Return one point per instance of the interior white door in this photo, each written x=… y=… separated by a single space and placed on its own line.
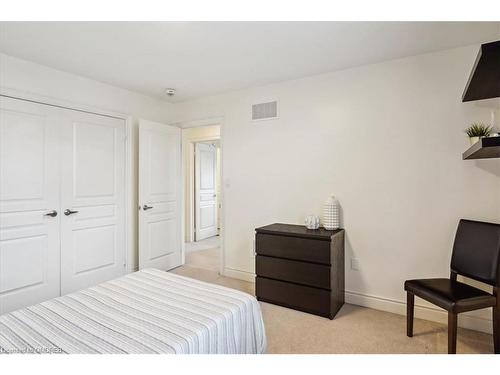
x=92 y=199
x=159 y=196
x=205 y=190
x=29 y=204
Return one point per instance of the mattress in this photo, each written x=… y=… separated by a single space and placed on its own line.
x=149 y=311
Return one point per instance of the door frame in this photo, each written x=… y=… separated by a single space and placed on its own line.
x=211 y=121
x=130 y=202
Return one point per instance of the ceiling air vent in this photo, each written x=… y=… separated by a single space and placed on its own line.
x=265 y=111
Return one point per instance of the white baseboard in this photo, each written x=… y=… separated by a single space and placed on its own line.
x=471 y=320
x=481 y=323
x=237 y=274
x=132 y=269
x=465 y=320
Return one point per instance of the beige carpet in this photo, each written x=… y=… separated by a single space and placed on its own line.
x=354 y=330
x=207 y=243
x=204 y=259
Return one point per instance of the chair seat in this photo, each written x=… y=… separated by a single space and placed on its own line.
x=451 y=295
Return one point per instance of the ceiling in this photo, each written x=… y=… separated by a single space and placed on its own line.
x=206 y=58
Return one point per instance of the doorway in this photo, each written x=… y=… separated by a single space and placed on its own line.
x=203 y=199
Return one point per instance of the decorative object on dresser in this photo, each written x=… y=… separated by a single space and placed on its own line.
x=312 y=222
x=300 y=269
x=331 y=214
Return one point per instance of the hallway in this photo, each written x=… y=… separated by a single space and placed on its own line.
x=204 y=254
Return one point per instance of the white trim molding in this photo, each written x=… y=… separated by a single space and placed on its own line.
x=218 y=120
x=210 y=121
x=474 y=321
x=57 y=102
x=465 y=320
x=237 y=274
x=130 y=204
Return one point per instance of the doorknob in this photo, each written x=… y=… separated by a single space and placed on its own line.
x=146 y=207
x=68 y=212
x=52 y=213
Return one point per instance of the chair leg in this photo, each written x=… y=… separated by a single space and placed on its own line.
x=452 y=333
x=410 y=308
x=496 y=329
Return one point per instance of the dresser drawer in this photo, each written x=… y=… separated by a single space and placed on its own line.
x=296 y=248
x=312 y=274
x=303 y=298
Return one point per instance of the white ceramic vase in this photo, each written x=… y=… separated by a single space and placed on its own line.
x=331 y=213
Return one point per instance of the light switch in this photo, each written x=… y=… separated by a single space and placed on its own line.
x=355 y=264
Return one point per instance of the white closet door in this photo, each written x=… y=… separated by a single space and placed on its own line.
x=92 y=200
x=159 y=196
x=205 y=191
x=29 y=190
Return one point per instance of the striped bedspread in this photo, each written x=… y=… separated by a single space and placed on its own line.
x=149 y=311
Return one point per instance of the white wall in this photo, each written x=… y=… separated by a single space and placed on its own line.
x=189 y=137
x=28 y=78
x=387 y=140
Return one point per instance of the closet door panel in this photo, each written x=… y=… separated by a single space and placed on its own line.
x=93 y=190
x=29 y=190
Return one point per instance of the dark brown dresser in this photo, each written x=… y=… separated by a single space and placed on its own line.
x=300 y=268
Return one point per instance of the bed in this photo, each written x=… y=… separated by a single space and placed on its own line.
x=149 y=311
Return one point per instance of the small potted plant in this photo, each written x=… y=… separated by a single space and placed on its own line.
x=477 y=131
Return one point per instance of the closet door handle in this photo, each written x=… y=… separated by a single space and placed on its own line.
x=146 y=207
x=52 y=213
x=68 y=212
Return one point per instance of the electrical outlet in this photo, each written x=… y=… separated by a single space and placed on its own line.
x=355 y=264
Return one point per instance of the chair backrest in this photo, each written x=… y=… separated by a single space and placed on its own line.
x=476 y=251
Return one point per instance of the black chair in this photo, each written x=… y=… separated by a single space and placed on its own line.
x=476 y=255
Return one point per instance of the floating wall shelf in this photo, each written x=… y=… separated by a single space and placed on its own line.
x=486 y=148
x=484 y=80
